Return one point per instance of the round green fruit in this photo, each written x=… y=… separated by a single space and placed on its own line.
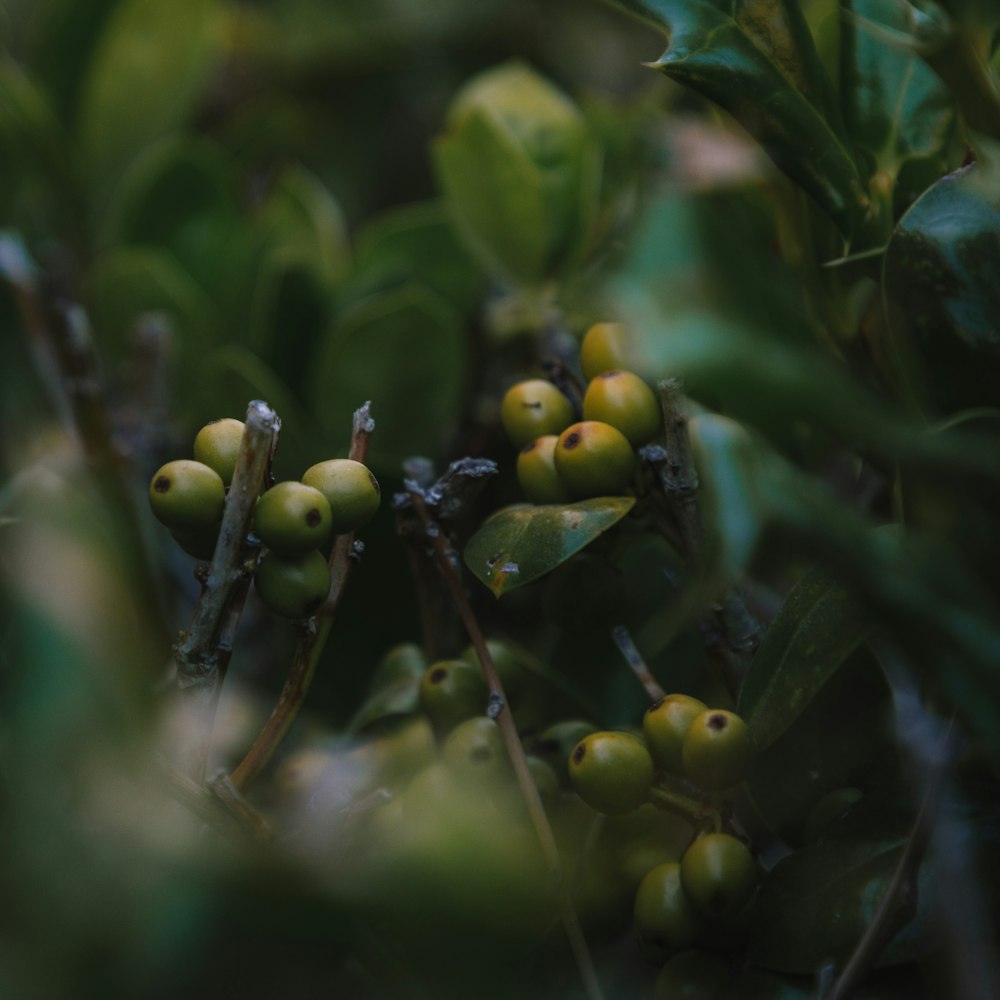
x=218 y=444
x=536 y=471
x=475 y=752
x=664 y=915
x=718 y=874
x=452 y=691
x=611 y=772
x=187 y=496
x=532 y=409
x=664 y=727
x=292 y=519
x=693 y=975
x=594 y=459
x=292 y=588
x=716 y=752
x=622 y=399
x=604 y=347
x=556 y=743
x=351 y=490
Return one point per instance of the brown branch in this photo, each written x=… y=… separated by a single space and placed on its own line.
x=629 y=650
x=314 y=634
x=498 y=709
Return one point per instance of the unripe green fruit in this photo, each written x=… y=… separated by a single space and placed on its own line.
x=475 y=752
x=351 y=490
x=532 y=409
x=197 y=544
x=452 y=691
x=218 y=444
x=693 y=975
x=663 y=913
x=665 y=725
x=604 y=348
x=401 y=663
x=292 y=588
x=536 y=471
x=187 y=496
x=611 y=772
x=622 y=399
x=543 y=776
x=716 y=751
x=556 y=743
x=829 y=808
x=594 y=459
x=292 y=518
x=509 y=666
x=718 y=874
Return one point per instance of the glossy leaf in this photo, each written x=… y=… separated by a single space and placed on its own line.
x=941 y=270
x=756 y=59
x=405 y=350
x=522 y=543
x=145 y=75
x=818 y=627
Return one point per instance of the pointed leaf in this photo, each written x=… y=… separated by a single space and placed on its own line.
x=818 y=627
x=759 y=64
x=522 y=543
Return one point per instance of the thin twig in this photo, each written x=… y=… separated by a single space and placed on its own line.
x=629 y=650
x=499 y=710
x=313 y=637
x=229 y=795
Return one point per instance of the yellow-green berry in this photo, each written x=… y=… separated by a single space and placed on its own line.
x=292 y=518
x=351 y=490
x=292 y=588
x=622 y=399
x=594 y=459
x=536 y=471
x=665 y=725
x=611 y=772
x=187 y=496
x=533 y=409
x=218 y=444
x=604 y=347
x=716 y=751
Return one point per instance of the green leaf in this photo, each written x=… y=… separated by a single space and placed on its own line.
x=756 y=59
x=941 y=270
x=400 y=698
x=898 y=110
x=818 y=627
x=818 y=753
x=522 y=543
x=405 y=350
x=144 y=79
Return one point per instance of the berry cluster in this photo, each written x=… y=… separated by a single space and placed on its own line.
x=562 y=460
x=291 y=520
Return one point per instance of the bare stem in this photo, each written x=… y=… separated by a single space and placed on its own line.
x=499 y=710
x=693 y=810
x=628 y=649
x=314 y=635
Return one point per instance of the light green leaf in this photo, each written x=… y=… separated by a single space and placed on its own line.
x=522 y=543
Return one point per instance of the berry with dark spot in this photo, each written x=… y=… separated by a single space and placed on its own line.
x=533 y=409
x=187 y=496
x=611 y=772
x=716 y=751
x=292 y=518
x=452 y=691
x=594 y=459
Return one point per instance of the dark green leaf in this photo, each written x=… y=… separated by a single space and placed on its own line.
x=818 y=627
x=759 y=63
x=144 y=77
x=404 y=350
x=941 y=269
x=522 y=543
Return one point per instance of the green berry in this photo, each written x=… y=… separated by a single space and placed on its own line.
x=218 y=444
x=605 y=347
x=452 y=691
x=351 y=490
x=536 y=471
x=475 y=752
x=665 y=725
x=292 y=588
x=594 y=459
x=716 y=752
x=622 y=399
x=402 y=663
x=693 y=975
x=556 y=743
x=187 y=496
x=718 y=874
x=611 y=772
x=292 y=519
x=543 y=776
x=533 y=409
x=664 y=915
x=509 y=664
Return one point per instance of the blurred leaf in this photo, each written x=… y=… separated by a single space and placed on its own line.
x=818 y=753
x=416 y=242
x=898 y=110
x=522 y=543
x=399 y=698
x=405 y=350
x=180 y=196
x=301 y=217
x=130 y=281
x=817 y=629
x=756 y=59
x=904 y=983
x=940 y=269
x=144 y=78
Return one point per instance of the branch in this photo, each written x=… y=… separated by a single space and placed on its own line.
x=315 y=631
x=628 y=649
